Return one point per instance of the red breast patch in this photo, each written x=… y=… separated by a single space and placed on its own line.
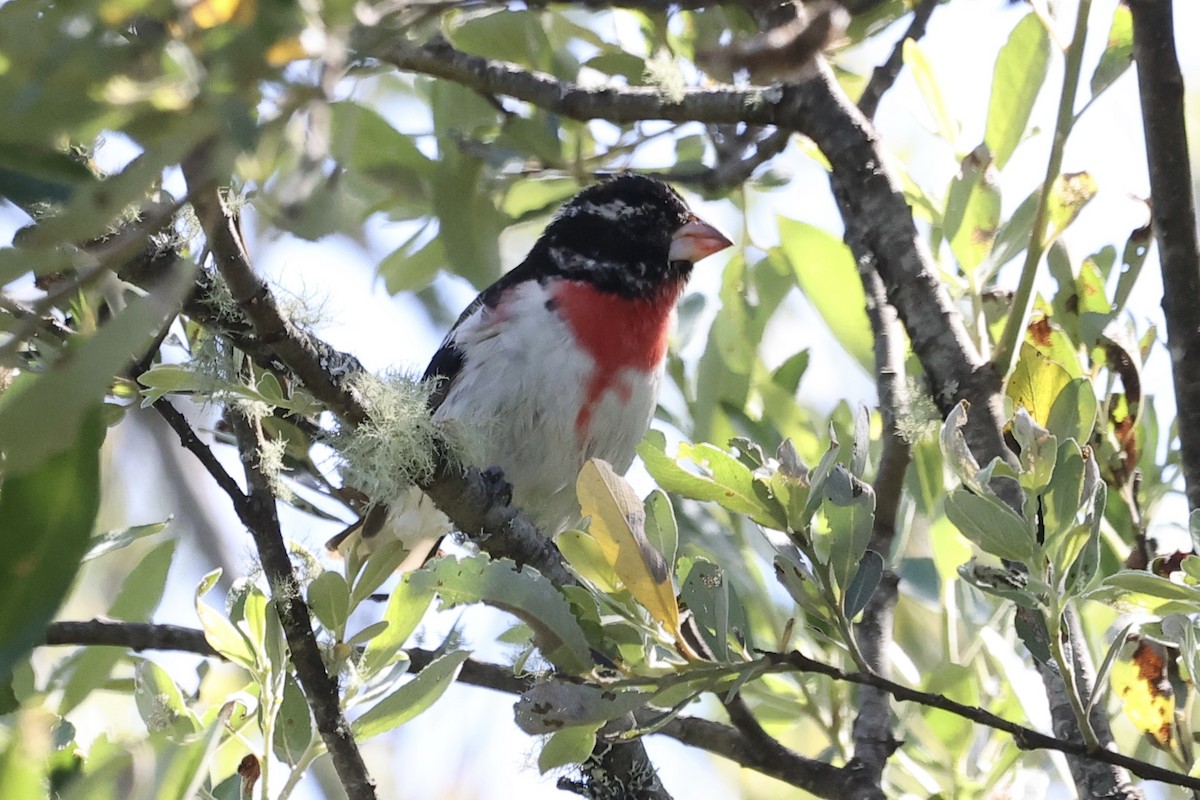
x=617 y=332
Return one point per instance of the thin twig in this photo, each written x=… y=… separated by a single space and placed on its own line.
x=1025 y=738
x=204 y=454
x=886 y=73
x=1173 y=212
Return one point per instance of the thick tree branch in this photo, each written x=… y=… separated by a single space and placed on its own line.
x=1173 y=213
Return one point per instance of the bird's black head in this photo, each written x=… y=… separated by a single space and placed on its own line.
x=628 y=235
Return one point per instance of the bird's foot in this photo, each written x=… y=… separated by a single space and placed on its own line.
x=498 y=487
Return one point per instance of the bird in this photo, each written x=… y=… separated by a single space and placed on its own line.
x=561 y=359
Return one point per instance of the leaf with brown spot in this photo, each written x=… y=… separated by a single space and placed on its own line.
x=1147 y=699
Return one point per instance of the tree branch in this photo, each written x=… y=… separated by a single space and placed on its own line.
x=469 y=499
x=136 y=636
x=714 y=737
x=886 y=73
x=1025 y=738
x=1173 y=213
x=320 y=689
x=878 y=219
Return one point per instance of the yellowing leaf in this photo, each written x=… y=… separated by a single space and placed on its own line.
x=211 y=13
x=285 y=51
x=619 y=526
x=1145 y=691
x=1036 y=384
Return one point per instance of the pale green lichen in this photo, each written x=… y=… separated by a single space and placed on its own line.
x=663 y=72
x=271 y=464
x=398 y=446
x=917 y=416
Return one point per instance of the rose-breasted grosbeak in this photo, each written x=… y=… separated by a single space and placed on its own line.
x=561 y=359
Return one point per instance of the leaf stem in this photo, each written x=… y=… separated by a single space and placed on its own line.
x=1009 y=346
x=1054 y=624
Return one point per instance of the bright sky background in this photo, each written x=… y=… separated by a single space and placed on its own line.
x=430 y=757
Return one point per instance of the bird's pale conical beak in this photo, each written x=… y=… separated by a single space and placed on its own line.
x=695 y=240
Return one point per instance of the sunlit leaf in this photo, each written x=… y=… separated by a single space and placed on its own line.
x=1068 y=195
x=926 y=78
x=972 y=210
x=1036 y=383
x=329 y=598
x=1118 y=50
x=406 y=606
x=160 y=701
x=1020 y=71
x=1140 y=681
x=728 y=482
x=828 y=275
x=222 y=634
x=618 y=524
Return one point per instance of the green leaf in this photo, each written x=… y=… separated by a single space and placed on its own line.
x=554 y=705
x=413 y=265
x=718 y=612
x=926 y=78
x=1141 y=582
x=1012 y=238
x=584 y=555
x=618 y=525
x=862 y=586
x=525 y=593
x=410 y=699
x=293 y=724
x=405 y=608
x=991 y=525
x=160 y=701
x=141 y=591
x=568 y=746
x=46 y=517
x=1062 y=501
x=729 y=482
x=329 y=598
x=661 y=529
x=1118 y=50
x=121 y=538
x=70 y=390
x=850 y=509
x=1068 y=195
x=828 y=276
x=972 y=210
x=1036 y=384
x=222 y=634
x=1019 y=73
